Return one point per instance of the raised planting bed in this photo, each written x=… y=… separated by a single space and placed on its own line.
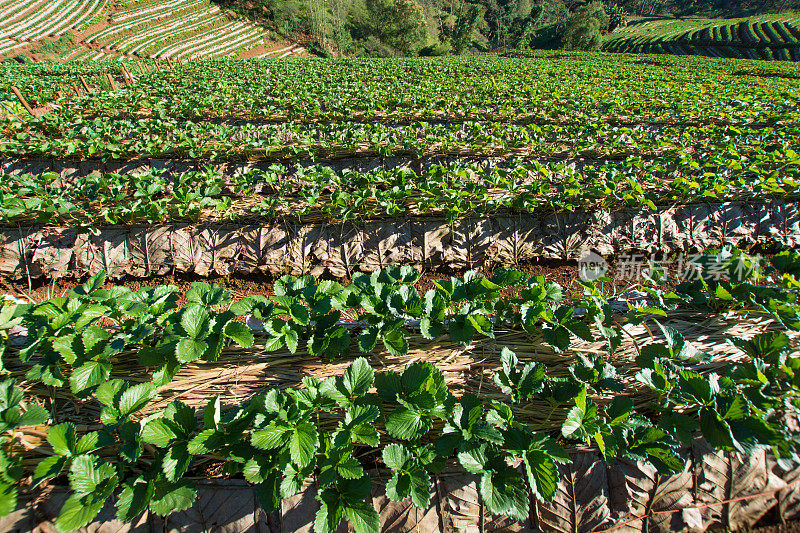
x=662 y=410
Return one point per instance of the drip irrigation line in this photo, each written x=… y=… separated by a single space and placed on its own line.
x=7 y=109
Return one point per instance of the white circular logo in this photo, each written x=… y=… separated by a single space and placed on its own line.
x=592 y=266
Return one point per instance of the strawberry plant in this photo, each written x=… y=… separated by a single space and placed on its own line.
x=412 y=422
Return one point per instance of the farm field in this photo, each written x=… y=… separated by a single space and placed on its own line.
x=448 y=294
x=143 y=29
x=764 y=37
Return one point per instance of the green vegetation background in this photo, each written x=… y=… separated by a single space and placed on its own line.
x=386 y=28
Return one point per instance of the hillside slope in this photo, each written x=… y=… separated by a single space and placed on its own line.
x=108 y=29
x=771 y=37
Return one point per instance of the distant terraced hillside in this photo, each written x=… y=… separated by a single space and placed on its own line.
x=107 y=29
x=770 y=37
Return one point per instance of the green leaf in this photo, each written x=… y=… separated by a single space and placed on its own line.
x=358 y=378
x=557 y=337
x=93 y=441
x=8 y=498
x=581 y=422
x=258 y=467
x=206 y=441
x=166 y=373
x=473 y=457
x=182 y=416
x=170 y=498
x=268 y=492
x=303 y=443
x=79 y=511
x=291 y=338
x=133 y=500
x=363 y=516
x=330 y=513
x=213 y=413
x=542 y=474
x=34 y=416
x=407 y=425
x=89 y=374
x=135 y=398
x=268 y=438
x=176 y=461
x=240 y=333
x=48 y=468
x=395 y=456
x=62 y=438
x=350 y=468
x=396 y=343
x=388 y=386
x=421 y=488
x=85 y=475
x=716 y=430
x=195 y=321
x=398 y=487
x=158 y=432
x=188 y=350
x=505 y=494
x=367 y=339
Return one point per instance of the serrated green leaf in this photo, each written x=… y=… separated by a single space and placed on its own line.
x=48 y=468
x=240 y=333
x=363 y=516
x=407 y=425
x=542 y=474
x=8 y=498
x=133 y=500
x=358 y=378
x=505 y=494
x=135 y=398
x=62 y=438
x=303 y=443
x=158 y=432
x=188 y=350
x=170 y=498
x=395 y=456
x=195 y=321
x=213 y=413
x=176 y=461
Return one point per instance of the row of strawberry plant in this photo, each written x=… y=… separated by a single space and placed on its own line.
x=69 y=135
x=454 y=191
x=571 y=88
x=275 y=441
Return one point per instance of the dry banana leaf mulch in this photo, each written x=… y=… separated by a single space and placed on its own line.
x=341 y=249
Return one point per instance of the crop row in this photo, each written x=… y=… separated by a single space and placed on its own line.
x=188 y=29
x=28 y=21
x=573 y=88
x=755 y=38
x=708 y=50
x=278 y=439
x=106 y=138
x=40 y=82
x=452 y=191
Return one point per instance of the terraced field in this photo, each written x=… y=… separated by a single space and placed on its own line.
x=103 y=29
x=25 y=21
x=433 y=294
x=768 y=37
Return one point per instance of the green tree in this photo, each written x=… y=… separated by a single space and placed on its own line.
x=585 y=28
x=457 y=28
x=399 y=24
